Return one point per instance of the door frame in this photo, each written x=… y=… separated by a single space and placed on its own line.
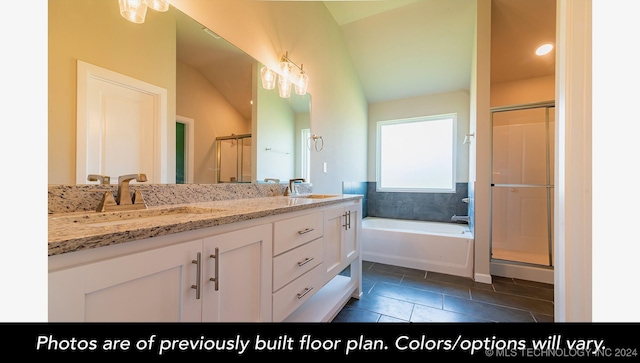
x=189 y=147
x=87 y=73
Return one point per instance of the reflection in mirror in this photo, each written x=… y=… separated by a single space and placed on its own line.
x=233 y=159
x=280 y=127
x=209 y=95
x=214 y=86
x=215 y=83
x=277 y=124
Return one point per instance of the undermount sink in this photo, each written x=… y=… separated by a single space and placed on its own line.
x=317 y=196
x=98 y=219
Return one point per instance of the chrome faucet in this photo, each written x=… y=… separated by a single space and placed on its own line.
x=293 y=191
x=124 y=200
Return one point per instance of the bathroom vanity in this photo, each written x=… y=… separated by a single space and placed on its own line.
x=267 y=259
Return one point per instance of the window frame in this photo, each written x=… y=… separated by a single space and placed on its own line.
x=454 y=151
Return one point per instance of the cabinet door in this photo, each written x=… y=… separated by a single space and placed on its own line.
x=149 y=286
x=334 y=225
x=351 y=247
x=236 y=276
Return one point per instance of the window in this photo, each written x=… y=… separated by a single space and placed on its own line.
x=305 y=154
x=417 y=155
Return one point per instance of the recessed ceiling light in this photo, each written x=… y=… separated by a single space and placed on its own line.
x=544 y=49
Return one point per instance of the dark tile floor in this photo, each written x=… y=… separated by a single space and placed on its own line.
x=399 y=294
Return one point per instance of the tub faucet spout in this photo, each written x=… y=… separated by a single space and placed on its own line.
x=460 y=219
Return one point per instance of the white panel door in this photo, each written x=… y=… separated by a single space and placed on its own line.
x=120 y=126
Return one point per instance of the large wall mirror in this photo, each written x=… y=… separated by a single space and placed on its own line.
x=217 y=93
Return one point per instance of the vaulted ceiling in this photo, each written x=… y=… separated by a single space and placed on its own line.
x=407 y=48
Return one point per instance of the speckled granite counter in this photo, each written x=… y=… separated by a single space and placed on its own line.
x=84 y=229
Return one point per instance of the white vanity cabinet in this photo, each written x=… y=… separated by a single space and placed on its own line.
x=341 y=242
x=297 y=262
x=148 y=286
x=338 y=277
x=299 y=266
x=226 y=277
x=236 y=276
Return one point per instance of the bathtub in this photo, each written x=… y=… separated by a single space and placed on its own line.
x=432 y=246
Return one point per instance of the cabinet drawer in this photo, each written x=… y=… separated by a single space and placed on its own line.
x=296 y=231
x=291 y=264
x=296 y=293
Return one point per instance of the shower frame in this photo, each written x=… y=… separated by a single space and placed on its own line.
x=239 y=155
x=546 y=105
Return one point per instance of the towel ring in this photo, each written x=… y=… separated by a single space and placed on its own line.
x=315 y=139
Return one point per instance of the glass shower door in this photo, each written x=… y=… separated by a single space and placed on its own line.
x=233 y=159
x=522 y=185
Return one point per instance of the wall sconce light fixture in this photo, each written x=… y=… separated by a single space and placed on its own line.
x=467 y=138
x=136 y=10
x=287 y=76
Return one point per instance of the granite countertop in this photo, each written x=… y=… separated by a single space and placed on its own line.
x=69 y=232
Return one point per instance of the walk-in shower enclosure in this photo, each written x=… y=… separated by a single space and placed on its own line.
x=522 y=184
x=233 y=159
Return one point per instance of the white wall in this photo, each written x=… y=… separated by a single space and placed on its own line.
x=480 y=168
x=572 y=234
x=427 y=105
x=276 y=132
x=539 y=89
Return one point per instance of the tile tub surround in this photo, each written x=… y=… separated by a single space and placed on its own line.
x=357 y=188
x=434 y=207
x=68 y=236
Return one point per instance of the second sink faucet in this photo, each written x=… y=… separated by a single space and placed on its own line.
x=291 y=189
x=124 y=196
x=103 y=179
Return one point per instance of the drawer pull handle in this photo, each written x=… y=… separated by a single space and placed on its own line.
x=306 y=291
x=198 y=272
x=305 y=261
x=215 y=279
x=306 y=230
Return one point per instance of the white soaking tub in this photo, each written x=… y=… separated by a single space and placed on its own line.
x=431 y=246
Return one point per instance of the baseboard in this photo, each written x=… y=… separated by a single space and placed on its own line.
x=523 y=272
x=482 y=278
